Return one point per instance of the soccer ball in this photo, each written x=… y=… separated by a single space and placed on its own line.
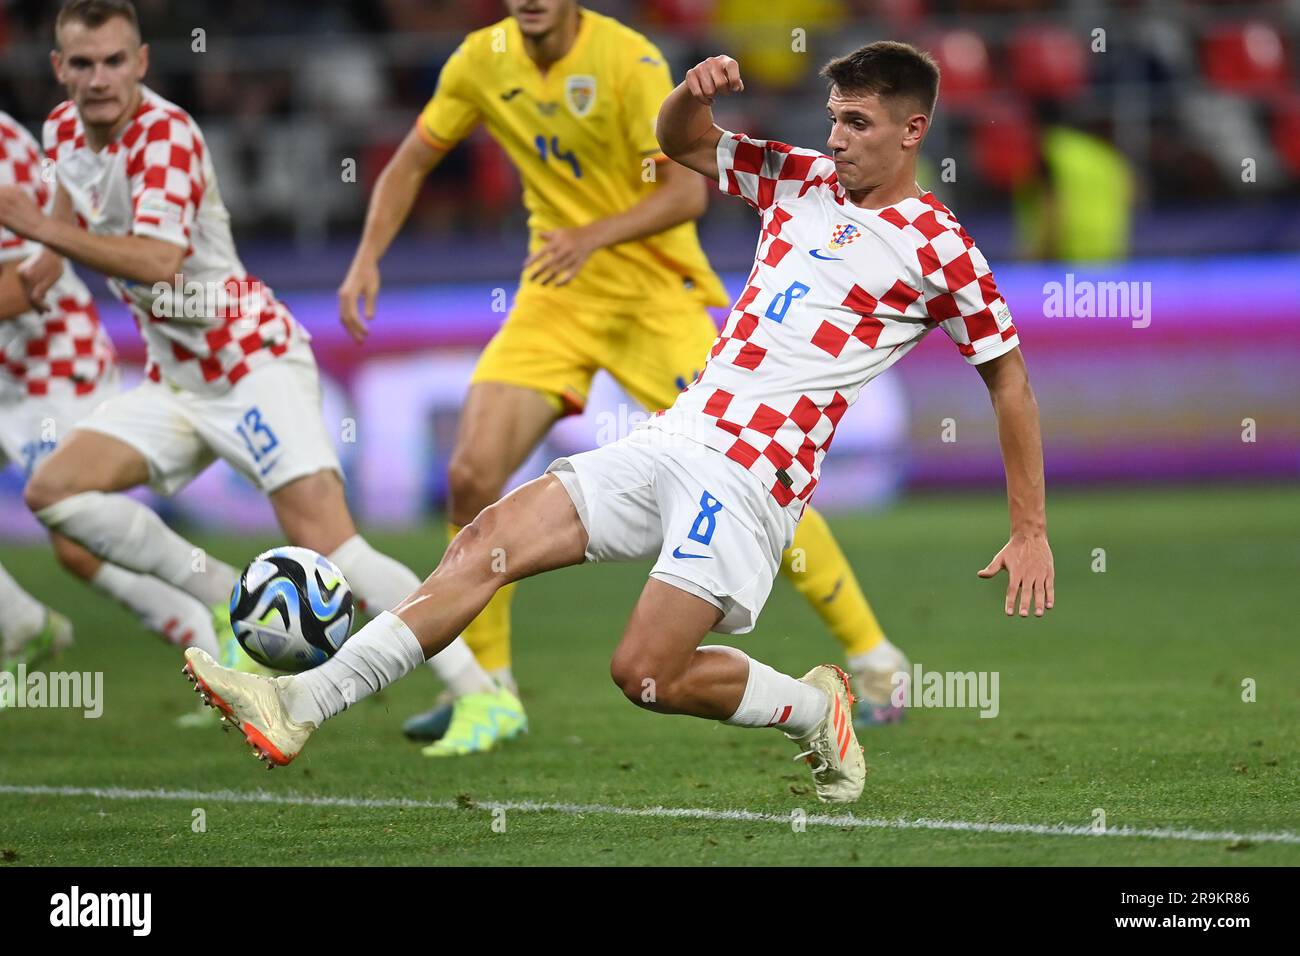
x=291 y=609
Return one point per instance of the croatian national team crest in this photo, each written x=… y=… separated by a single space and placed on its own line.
x=842 y=236
x=580 y=94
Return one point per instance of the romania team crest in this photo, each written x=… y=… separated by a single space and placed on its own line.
x=580 y=94
x=842 y=236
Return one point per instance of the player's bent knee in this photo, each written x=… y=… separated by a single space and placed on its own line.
x=633 y=674
x=48 y=486
x=624 y=676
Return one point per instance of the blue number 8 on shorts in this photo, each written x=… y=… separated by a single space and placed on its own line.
x=706 y=521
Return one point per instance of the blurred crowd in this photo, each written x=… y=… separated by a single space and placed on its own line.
x=1066 y=115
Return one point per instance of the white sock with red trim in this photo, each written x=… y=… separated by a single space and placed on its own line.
x=167 y=611
x=773 y=699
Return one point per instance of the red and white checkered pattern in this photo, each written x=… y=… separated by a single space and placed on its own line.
x=156 y=179
x=63 y=350
x=20 y=165
x=256 y=327
x=817 y=321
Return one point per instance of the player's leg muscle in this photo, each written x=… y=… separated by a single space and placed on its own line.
x=313 y=512
x=660 y=666
x=85 y=461
x=533 y=529
x=500 y=426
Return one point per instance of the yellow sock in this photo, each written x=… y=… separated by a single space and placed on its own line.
x=817 y=568
x=488 y=635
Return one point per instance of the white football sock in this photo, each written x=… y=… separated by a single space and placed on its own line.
x=383 y=583
x=382 y=652
x=21 y=615
x=458 y=668
x=124 y=532
x=506 y=677
x=882 y=655
x=170 y=613
x=773 y=699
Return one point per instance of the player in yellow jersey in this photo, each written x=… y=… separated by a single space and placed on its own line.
x=615 y=279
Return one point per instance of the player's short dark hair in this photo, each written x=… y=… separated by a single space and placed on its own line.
x=890 y=70
x=95 y=13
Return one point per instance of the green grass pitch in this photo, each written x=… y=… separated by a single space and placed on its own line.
x=1126 y=699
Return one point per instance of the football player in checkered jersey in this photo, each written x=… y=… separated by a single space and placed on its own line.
x=712 y=488
x=56 y=365
x=615 y=280
x=230 y=373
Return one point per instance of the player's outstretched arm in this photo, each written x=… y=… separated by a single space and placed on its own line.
x=135 y=258
x=390 y=204
x=686 y=131
x=1027 y=556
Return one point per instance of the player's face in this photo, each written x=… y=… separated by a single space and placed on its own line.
x=100 y=67
x=869 y=141
x=537 y=18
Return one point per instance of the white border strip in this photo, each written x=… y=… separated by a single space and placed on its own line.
x=672 y=813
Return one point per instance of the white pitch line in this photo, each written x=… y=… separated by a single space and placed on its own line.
x=672 y=813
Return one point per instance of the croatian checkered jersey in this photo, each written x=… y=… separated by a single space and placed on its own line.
x=64 y=350
x=155 y=179
x=837 y=295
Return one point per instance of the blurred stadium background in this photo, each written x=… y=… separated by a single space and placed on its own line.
x=1149 y=143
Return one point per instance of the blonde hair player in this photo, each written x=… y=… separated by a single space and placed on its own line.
x=236 y=379
x=56 y=365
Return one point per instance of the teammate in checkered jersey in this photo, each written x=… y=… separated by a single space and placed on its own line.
x=230 y=373
x=56 y=365
x=712 y=489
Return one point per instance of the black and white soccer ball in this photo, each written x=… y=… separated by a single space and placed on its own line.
x=291 y=609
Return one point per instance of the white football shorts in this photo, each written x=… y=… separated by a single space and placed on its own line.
x=31 y=425
x=269 y=426
x=713 y=529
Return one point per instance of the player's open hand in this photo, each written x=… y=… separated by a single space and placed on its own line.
x=716 y=76
x=1028 y=560
x=361 y=282
x=19 y=212
x=38 y=273
x=561 y=255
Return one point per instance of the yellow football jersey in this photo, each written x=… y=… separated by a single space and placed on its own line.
x=582 y=136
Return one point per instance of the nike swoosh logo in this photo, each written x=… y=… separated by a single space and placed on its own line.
x=815 y=253
x=512 y=94
x=679 y=553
